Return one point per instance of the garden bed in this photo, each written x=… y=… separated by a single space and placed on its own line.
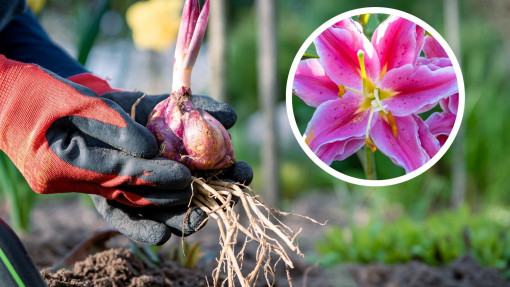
x=58 y=226
x=463 y=272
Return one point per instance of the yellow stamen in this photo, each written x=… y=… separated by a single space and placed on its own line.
x=370 y=144
x=309 y=137
x=393 y=124
x=341 y=91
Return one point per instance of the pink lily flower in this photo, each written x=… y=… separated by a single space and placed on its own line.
x=368 y=92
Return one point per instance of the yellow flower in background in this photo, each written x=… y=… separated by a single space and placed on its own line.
x=36 y=5
x=154 y=23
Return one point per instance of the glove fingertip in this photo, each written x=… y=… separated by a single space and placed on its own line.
x=188 y=223
x=240 y=172
x=170 y=174
x=131 y=225
x=156 y=236
x=195 y=220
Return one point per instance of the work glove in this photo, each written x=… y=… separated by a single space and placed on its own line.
x=64 y=138
x=155 y=225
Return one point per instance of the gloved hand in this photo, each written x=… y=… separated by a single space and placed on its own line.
x=154 y=225
x=64 y=138
x=32 y=100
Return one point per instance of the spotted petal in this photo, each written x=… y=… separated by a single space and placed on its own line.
x=338 y=48
x=417 y=87
x=336 y=120
x=312 y=85
x=405 y=149
x=398 y=42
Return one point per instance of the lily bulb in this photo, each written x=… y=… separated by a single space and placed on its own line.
x=185 y=133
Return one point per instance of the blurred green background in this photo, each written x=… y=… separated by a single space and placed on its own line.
x=405 y=213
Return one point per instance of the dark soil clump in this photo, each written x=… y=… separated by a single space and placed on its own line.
x=121 y=268
x=463 y=272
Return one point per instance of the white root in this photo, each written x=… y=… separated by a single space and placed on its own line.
x=216 y=199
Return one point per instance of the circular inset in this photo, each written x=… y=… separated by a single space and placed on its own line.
x=376 y=83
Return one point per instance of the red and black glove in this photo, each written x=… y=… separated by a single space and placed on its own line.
x=82 y=157
x=64 y=138
x=155 y=225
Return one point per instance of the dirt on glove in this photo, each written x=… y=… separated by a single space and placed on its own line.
x=121 y=268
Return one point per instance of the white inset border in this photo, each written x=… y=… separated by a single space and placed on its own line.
x=460 y=83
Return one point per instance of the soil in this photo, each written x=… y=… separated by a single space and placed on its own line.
x=121 y=267
x=463 y=272
x=59 y=225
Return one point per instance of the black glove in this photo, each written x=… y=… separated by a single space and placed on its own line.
x=154 y=225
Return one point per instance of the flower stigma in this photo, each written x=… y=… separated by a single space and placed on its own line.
x=361 y=59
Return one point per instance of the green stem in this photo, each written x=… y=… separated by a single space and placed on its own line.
x=369 y=164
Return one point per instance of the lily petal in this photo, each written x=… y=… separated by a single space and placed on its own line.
x=405 y=149
x=338 y=48
x=417 y=87
x=420 y=40
x=441 y=125
x=337 y=120
x=434 y=63
x=433 y=49
x=398 y=42
x=312 y=85
x=450 y=104
x=339 y=150
x=427 y=108
x=428 y=141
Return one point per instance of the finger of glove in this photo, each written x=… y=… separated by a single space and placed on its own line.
x=161 y=197
x=134 y=138
x=126 y=100
x=132 y=224
x=240 y=172
x=72 y=147
x=182 y=221
x=224 y=113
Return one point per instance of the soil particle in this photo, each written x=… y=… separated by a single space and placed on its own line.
x=463 y=272
x=121 y=268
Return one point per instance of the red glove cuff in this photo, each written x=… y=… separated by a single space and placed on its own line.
x=98 y=85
